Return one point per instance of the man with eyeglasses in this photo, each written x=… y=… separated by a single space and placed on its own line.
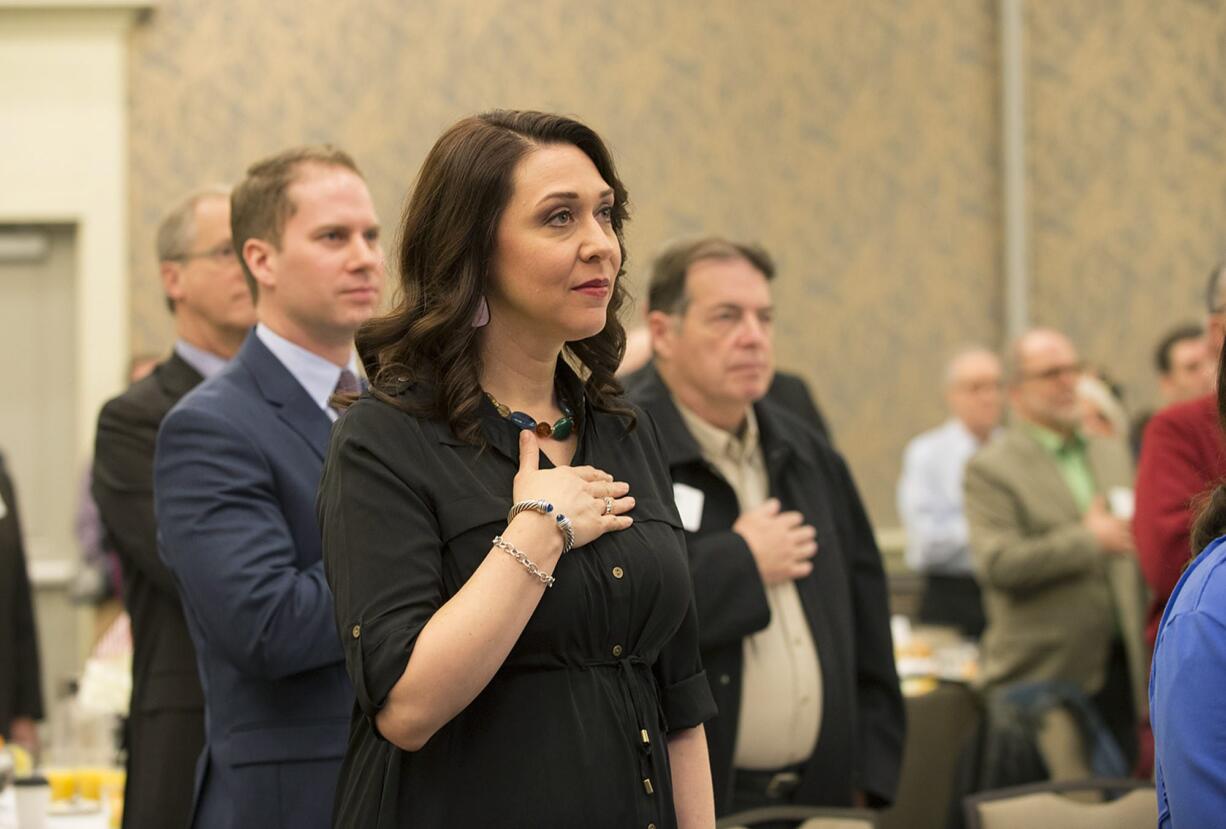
x=930 y=491
x=213 y=312
x=1048 y=510
x=788 y=582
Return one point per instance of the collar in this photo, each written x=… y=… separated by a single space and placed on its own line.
x=317 y=375
x=1053 y=442
x=716 y=442
x=778 y=429
x=205 y=362
x=954 y=426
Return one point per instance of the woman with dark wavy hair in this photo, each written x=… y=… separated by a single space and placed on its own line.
x=1187 y=682
x=508 y=565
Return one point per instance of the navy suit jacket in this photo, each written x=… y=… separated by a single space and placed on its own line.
x=236 y=471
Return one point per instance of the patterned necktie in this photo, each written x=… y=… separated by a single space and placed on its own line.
x=347 y=383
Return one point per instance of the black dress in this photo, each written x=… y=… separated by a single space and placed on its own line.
x=556 y=738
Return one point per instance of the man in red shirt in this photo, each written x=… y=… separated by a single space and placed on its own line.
x=1182 y=457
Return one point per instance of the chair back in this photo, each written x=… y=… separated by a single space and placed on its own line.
x=939 y=725
x=805 y=817
x=1050 y=806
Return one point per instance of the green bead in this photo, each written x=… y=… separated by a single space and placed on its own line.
x=562 y=429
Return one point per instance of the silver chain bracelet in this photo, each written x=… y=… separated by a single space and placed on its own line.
x=511 y=550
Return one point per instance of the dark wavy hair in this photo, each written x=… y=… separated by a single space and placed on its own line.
x=446 y=246
x=1210 y=520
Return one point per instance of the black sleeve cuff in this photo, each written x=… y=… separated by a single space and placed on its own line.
x=688 y=703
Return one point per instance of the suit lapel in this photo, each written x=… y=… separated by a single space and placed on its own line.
x=1045 y=473
x=1108 y=465
x=176 y=377
x=286 y=395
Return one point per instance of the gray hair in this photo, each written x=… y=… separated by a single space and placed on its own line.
x=177 y=232
x=957 y=356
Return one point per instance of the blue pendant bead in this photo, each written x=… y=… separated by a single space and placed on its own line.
x=560 y=430
x=522 y=420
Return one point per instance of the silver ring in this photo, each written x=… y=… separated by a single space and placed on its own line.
x=608 y=505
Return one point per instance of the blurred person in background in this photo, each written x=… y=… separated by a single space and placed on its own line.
x=99 y=579
x=1184 y=363
x=930 y=498
x=213 y=312
x=21 y=696
x=1102 y=407
x=236 y=471
x=792 y=604
x=1189 y=672
x=788 y=390
x=1062 y=594
x=1183 y=456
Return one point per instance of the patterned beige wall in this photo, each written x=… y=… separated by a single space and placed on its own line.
x=857 y=140
x=1127 y=143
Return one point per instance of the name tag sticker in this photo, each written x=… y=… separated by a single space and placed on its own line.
x=689 y=504
x=1121 y=502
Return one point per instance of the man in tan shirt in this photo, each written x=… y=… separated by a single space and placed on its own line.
x=795 y=641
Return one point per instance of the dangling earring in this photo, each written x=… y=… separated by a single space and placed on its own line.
x=482 y=317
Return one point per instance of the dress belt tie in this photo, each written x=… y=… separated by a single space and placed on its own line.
x=638 y=707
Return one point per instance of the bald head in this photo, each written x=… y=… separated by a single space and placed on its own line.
x=973 y=390
x=1044 y=367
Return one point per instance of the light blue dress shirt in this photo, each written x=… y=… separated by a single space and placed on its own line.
x=317 y=375
x=930 y=501
x=205 y=362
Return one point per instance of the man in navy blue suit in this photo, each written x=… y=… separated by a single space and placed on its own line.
x=237 y=466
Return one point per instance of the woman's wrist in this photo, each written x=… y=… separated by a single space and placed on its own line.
x=537 y=535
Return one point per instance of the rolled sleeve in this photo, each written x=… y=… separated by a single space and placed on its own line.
x=382 y=556
x=685 y=694
x=688 y=703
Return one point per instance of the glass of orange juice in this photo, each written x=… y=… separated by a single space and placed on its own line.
x=89 y=782
x=63 y=783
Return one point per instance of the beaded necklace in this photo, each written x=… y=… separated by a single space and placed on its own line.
x=560 y=430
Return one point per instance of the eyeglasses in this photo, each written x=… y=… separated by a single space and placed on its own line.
x=1056 y=372
x=223 y=252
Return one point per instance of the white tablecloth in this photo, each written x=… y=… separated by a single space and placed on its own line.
x=8 y=816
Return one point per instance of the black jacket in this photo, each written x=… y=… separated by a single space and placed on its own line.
x=845 y=600
x=20 y=685
x=788 y=391
x=166 y=723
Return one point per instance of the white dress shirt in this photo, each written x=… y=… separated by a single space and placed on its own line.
x=930 y=501
x=317 y=375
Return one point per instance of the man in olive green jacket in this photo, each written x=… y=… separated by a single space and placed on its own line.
x=1049 y=528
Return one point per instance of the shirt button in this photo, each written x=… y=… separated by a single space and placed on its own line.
x=651 y=826
x=618 y=572
x=617 y=650
x=724 y=679
x=357 y=631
